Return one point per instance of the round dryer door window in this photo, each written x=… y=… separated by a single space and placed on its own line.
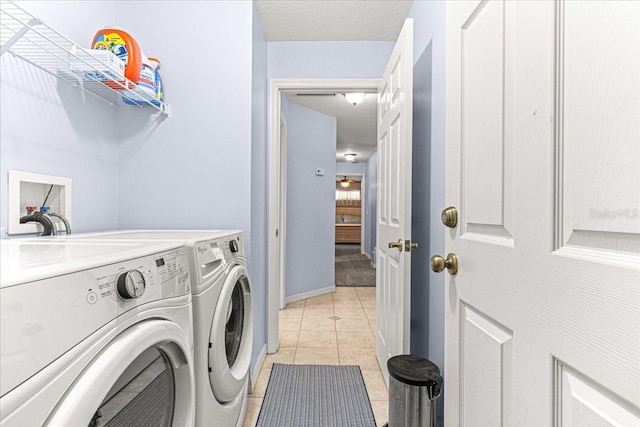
x=234 y=326
x=231 y=337
x=144 y=394
x=143 y=377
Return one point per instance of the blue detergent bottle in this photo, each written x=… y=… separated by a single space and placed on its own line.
x=155 y=87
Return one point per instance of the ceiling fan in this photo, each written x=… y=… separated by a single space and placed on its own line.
x=346 y=182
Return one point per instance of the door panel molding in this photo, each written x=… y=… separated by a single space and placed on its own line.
x=486 y=363
x=578 y=400
x=486 y=203
x=596 y=216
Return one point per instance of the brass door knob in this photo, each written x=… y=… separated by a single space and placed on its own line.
x=449 y=217
x=408 y=245
x=450 y=263
x=397 y=244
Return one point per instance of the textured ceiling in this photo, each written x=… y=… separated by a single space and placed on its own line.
x=333 y=20
x=356 y=125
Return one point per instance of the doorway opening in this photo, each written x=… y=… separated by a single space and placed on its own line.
x=354 y=230
x=277 y=186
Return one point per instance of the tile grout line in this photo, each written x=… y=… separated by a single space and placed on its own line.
x=359 y=306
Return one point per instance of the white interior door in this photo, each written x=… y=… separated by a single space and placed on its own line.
x=542 y=162
x=393 y=265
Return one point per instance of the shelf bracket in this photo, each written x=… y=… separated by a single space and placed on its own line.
x=166 y=109
x=18 y=35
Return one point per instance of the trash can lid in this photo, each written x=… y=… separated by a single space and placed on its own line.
x=415 y=370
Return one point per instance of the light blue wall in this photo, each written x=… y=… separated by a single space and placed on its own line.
x=192 y=170
x=371 y=206
x=48 y=126
x=349 y=168
x=421 y=201
x=427 y=334
x=258 y=265
x=310 y=230
x=195 y=169
x=328 y=60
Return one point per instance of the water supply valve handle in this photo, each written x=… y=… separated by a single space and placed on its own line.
x=31 y=209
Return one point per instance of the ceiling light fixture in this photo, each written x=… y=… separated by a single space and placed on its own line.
x=354 y=97
x=344 y=182
x=350 y=157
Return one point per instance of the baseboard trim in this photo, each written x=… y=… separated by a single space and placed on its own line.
x=255 y=372
x=310 y=294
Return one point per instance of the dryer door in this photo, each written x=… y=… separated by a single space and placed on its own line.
x=143 y=377
x=231 y=336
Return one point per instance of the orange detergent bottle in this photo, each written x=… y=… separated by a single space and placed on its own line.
x=125 y=47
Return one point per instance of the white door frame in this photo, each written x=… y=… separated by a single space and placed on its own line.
x=276 y=258
x=283 y=201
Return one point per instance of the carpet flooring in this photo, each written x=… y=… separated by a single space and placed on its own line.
x=316 y=396
x=353 y=268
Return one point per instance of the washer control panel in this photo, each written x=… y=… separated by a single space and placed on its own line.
x=130 y=285
x=142 y=280
x=211 y=256
x=231 y=246
x=45 y=318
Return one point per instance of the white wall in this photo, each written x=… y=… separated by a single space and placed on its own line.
x=48 y=126
x=310 y=227
x=427 y=326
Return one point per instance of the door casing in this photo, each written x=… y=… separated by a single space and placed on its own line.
x=275 y=254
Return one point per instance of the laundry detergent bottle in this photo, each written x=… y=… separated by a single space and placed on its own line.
x=125 y=47
x=150 y=82
x=159 y=91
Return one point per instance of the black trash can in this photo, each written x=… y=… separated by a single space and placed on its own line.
x=414 y=387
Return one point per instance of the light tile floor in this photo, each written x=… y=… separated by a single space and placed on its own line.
x=332 y=329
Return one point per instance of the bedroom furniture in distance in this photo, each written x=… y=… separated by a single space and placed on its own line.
x=348 y=224
x=348 y=211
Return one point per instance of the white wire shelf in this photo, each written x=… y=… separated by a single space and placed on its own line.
x=30 y=39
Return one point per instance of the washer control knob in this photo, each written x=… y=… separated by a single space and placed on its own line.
x=130 y=285
x=233 y=245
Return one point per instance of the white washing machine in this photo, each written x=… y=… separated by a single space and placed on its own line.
x=95 y=334
x=223 y=318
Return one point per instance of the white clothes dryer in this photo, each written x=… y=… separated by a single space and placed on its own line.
x=95 y=334
x=223 y=318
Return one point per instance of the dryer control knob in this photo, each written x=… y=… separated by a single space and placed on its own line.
x=130 y=285
x=233 y=245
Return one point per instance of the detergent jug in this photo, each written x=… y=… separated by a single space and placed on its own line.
x=125 y=47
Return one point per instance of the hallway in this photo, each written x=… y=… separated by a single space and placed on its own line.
x=332 y=329
x=352 y=267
